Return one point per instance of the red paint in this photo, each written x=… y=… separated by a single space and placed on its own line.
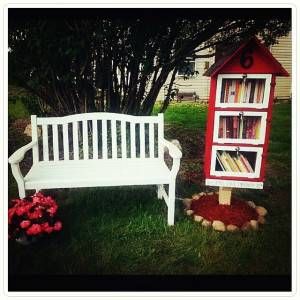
x=237 y=213
x=263 y=63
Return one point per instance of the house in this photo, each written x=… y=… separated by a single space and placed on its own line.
x=199 y=85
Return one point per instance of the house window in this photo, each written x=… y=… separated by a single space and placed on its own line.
x=187 y=68
x=206 y=65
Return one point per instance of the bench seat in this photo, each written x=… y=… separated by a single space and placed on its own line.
x=97 y=173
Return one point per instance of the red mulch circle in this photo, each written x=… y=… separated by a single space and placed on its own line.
x=237 y=213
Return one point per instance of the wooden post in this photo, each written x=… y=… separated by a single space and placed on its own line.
x=224 y=195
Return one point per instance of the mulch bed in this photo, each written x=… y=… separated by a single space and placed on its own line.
x=237 y=213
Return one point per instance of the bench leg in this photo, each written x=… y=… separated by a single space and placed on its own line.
x=159 y=191
x=171 y=203
x=22 y=193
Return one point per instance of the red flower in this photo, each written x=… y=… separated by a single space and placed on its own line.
x=29 y=212
x=35 y=215
x=24 y=224
x=21 y=210
x=57 y=226
x=34 y=229
x=35 y=199
x=52 y=210
x=48 y=229
x=11 y=213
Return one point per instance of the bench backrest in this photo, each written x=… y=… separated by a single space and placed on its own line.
x=93 y=136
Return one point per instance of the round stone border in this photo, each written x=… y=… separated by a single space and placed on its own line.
x=219 y=225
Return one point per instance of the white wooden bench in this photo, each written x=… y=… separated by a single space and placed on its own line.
x=99 y=149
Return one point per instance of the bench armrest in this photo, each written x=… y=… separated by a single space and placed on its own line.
x=173 y=150
x=18 y=156
x=176 y=154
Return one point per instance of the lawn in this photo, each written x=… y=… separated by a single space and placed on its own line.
x=124 y=230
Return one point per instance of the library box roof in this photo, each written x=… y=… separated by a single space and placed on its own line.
x=251 y=57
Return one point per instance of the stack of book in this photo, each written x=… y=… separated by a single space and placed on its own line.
x=242 y=91
x=235 y=127
x=233 y=162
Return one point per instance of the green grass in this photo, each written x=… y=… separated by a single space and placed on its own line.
x=17 y=110
x=124 y=230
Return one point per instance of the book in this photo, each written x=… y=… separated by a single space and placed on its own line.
x=226 y=91
x=249 y=83
x=255 y=92
x=233 y=166
x=232 y=91
x=237 y=89
x=223 y=91
x=257 y=129
x=235 y=127
x=241 y=129
x=240 y=165
x=224 y=162
x=219 y=161
x=252 y=89
x=246 y=163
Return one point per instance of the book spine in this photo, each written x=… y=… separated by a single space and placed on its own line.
x=241 y=127
x=226 y=91
x=246 y=163
x=237 y=88
x=235 y=127
x=255 y=99
x=231 y=163
x=241 y=165
x=219 y=160
x=224 y=162
x=251 y=96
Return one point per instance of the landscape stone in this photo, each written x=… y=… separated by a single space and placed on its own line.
x=218 y=225
x=232 y=228
x=254 y=224
x=198 y=218
x=261 y=220
x=246 y=226
x=261 y=211
x=187 y=202
x=196 y=197
x=206 y=223
x=189 y=212
x=251 y=204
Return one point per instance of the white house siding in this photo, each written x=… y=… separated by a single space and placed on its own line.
x=199 y=84
x=283 y=53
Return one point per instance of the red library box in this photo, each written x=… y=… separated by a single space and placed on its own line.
x=239 y=116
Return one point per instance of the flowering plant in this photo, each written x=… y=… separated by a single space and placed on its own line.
x=33 y=216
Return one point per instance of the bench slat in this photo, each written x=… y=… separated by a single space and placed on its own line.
x=34 y=135
x=160 y=135
x=123 y=137
x=132 y=140
x=104 y=139
x=55 y=142
x=113 y=139
x=75 y=141
x=151 y=140
x=142 y=140
x=95 y=139
x=66 y=141
x=45 y=143
x=85 y=140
